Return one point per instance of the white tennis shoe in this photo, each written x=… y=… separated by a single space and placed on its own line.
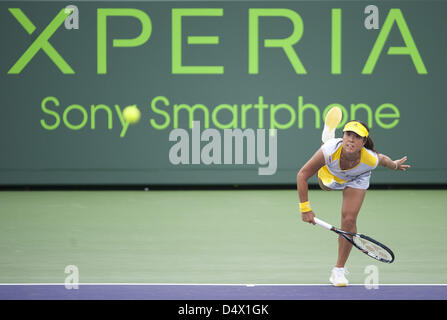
x=331 y=122
x=338 y=278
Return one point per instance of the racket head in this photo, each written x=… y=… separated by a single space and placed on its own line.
x=373 y=248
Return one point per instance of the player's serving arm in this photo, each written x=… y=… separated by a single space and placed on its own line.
x=343 y=164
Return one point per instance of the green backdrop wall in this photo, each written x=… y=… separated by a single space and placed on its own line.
x=241 y=64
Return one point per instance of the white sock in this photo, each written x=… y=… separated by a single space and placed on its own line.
x=327 y=134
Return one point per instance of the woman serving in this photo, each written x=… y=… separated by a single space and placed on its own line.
x=343 y=164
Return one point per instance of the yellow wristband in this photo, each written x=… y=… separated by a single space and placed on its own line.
x=305 y=206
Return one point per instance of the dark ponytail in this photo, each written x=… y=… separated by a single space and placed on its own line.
x=369 y=144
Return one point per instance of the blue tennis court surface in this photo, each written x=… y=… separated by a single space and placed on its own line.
x=219 y=292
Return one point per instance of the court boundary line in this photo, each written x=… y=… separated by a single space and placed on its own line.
x=214 y=284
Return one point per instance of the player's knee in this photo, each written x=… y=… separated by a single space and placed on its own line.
x=349 y=222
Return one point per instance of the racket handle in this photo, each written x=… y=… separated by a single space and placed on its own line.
x=323 y=224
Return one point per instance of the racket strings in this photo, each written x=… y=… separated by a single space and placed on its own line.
x=372 y=248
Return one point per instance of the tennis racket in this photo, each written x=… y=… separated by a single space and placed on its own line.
x=367 y=245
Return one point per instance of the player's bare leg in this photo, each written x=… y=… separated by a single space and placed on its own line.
x=352 y=202
x=333 y=118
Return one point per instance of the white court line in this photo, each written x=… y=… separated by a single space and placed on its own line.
x=211 y=284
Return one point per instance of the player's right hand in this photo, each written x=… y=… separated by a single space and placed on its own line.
x=308 y=217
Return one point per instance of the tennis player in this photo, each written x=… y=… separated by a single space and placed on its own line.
x=343 y=164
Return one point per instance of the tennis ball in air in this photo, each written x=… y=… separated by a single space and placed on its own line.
x=131 y=114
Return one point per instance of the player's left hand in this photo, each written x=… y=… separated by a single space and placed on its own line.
x=399 y=164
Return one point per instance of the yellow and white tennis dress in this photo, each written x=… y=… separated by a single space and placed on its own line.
x=335 y=178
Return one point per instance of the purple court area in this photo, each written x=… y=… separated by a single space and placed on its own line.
x=219 y=292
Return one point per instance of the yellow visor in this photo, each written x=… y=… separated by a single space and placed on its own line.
x=356 y=127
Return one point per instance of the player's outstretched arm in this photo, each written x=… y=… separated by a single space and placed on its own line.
x=386 y=162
